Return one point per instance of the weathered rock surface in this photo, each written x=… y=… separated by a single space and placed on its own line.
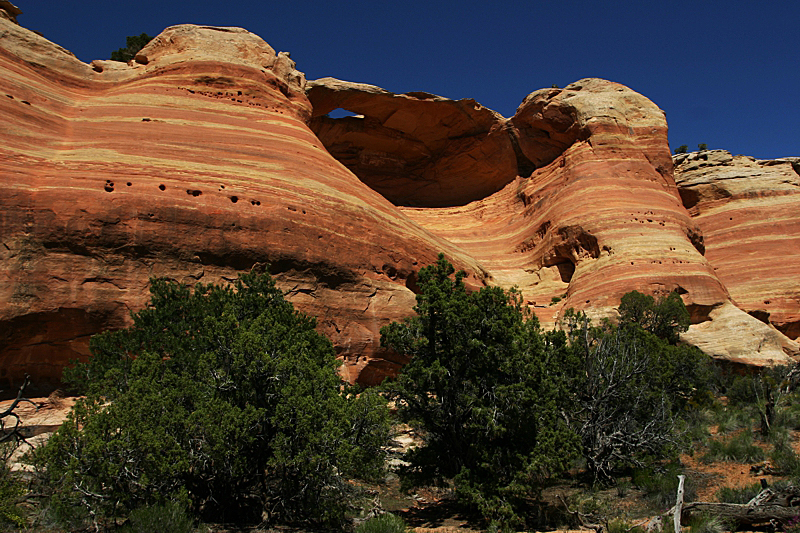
x=196 y=161
x=749 y=213
x=599 y=217
x=9 y=11
x=193 y=162
x=416 y=149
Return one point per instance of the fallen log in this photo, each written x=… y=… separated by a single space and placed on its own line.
x=740 y=514
x=768 y=506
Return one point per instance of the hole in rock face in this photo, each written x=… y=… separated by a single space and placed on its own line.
x=234 y=199
x=689 y=197
x=699 y=313
x=411 y=283
x=162 y=187
x=760 y=314
x=566 y=270
x=697 y=240
x=342 y=113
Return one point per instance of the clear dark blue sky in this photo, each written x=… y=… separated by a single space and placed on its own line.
x=726 y=73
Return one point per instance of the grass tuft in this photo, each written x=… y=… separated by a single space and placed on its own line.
x=739 y=449
x=385 y=523
x=740 y=495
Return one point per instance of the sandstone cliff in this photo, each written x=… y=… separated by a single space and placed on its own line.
x=210 y=154
x=749 y=213
x=194 y=162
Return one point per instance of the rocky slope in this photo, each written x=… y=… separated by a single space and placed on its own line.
x=208 y=155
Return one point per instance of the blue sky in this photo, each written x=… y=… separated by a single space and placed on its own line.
x=726 y=73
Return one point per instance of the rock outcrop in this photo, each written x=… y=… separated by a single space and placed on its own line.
x=749 y=213
x=9 y=11
x=192 y=162
x=209 y=154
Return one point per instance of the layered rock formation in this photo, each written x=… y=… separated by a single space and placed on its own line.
x=601 y=218
x=206 y=156
x=194 y=162
x=749 y=213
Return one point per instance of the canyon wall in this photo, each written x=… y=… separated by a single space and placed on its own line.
x=209 y=154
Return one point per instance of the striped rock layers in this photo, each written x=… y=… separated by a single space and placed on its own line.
x=749 y=212
x=207 y=156
x=195 y=163
x=587 y=210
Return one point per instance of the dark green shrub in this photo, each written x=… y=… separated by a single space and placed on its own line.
x=784 y=458
x=660 y=484
x=631 y=390
x=682 y=149
x=666 y=318
x=134 y=43
x=743 y=391
x=385 y=523
x=11 y=488
x=702 y=146
x=223 y=399
x=482 y=389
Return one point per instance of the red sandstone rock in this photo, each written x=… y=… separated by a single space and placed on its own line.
x=600 y=216
x=194 y=163
x=749 y=212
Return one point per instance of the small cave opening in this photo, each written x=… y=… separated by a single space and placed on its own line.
x=411 y=283
x=566 y=269
x=760 y=314
x=700 y=313
x=689 y=197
